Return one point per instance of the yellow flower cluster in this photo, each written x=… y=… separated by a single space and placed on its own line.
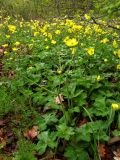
x=12 y=28
x=87 y=17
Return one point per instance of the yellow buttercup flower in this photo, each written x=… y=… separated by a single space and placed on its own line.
x=14 y=49
x=8 y=36
x=105 y=40
x=59 y=71
x=105 y=60
x=17 y=43
x=118 y=67
x=118 y=53
x=49 y=35
x=115 y=106
x=90 y=51
x=47 y=47
x=66 y=38
x=29 y=68
x=53 y=42
x=36 y=33
x=12 y=28
x=46 y=39
x=57 y=32
x=5 y=52
x=87 y=17
x=5 y=45
x=98 y=78
x=115 y=44
x=11 y=58
x=71 y=42
x=30 y=46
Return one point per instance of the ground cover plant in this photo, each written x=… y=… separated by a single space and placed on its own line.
x=59 y=89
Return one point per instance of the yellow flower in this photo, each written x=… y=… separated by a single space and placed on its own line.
x=14 y=49
x=87 y=17
x=90 y=51
x=71 y=42
x=5 y=52
x=118 y=67
x=76 y=27
x=30 y=46
x=53 y=42
x=21 y=24
x=105 y=40
x=59 y=71
x=5 y=45
x=29 y=68
x=57 y=32
x=8 y=36
x=49 y=35
x=115 y=44
x=36 y=33
x=46 y=39
x=69 y=22
x=115 y=106
x=118 y=53
x=70 y=30
x=105 y=60
x=98 y=78
x=11 y=58
x=17 y=43
x=66 y=38
x=12 y=28
x=115 y=34
x=47 y=47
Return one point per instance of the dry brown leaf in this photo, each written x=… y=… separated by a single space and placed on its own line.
x=82 y=122
x=1 y=51
x=11 y=74
x=114 y=140
x=59 y=99
x=102 y=150
x=2 y=122
x=3 y=138
x=117 y=154
x=32 y=133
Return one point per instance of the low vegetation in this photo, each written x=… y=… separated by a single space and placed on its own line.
x=59 y=88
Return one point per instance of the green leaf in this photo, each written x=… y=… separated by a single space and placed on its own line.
x=63 y=131
x=42 y=144
x=99 y=107
x=116 y=133
x=76 y=152
x=46 y=139
x=90 y=129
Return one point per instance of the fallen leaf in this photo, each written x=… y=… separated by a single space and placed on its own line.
x=2 y=122
x=32 y=133
x=117 y=154
x=81 y=122
x=59 y=99
x=3 y=138
x=11 y=74
x=1 y=50
x=114 y=140
x=102 y=150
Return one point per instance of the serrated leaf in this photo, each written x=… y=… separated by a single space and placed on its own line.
x=63 y=131
x=42 y=144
